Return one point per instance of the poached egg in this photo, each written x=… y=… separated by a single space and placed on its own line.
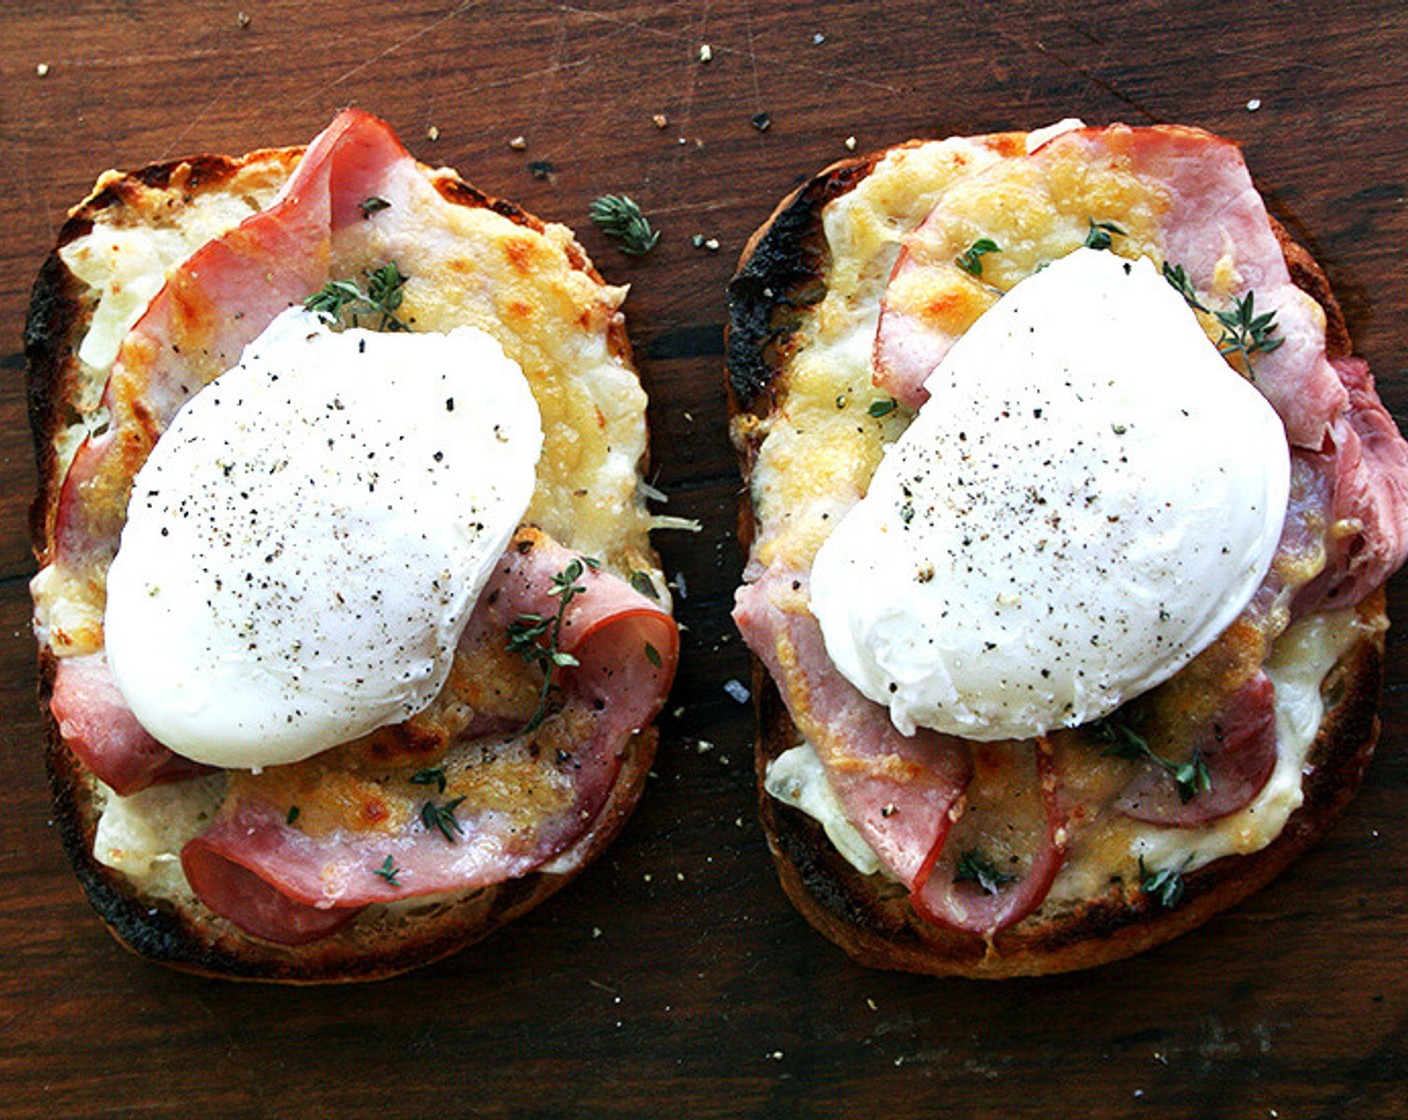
x=306 y=542
x=1090 y=496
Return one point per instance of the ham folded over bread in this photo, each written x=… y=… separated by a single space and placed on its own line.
x=1184 y=199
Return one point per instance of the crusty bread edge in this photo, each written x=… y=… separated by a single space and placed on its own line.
x=201 y=942
x=780 y=272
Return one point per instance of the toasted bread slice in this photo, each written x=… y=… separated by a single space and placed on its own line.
x=778 y=299
x=556 y=317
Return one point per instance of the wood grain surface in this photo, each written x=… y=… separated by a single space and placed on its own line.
x=673 y=978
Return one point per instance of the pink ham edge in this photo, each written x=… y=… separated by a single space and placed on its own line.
x=1239 y=748
x=901 y=821
x=98 y=727
x=937 y=898
x=255 y=869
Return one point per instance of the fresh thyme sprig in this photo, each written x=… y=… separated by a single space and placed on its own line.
x=619 y=216
x=1098 y=236
x=1191 y=778
x=975 y=867
x=442 y=818
x=1167 y=885
x=971 y=261
x=430 y=776
x=1245 y=332
x=382 y=296
x=1175 y=275
x=535 y=637
x=388 y=871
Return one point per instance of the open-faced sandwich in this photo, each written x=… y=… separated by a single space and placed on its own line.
x=1070 y=513
x=350 y=630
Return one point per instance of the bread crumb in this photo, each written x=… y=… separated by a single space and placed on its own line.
x=706 y=52
x=42 y=70
x=870 y=1003
x=660 y=120
x=776 y=1055
x=818 y=39
x=518 y=143
x=432 y=133
x=1254 y=104
x=646 y=876
x=737 y=691
x=243 y=20
x=850 y=143
x=596 y=931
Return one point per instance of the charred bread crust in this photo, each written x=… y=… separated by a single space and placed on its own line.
x=782 y=271
x=193 y=939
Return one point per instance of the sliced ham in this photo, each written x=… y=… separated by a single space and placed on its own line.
x=898 y=792
x=1238 y=746
x=215 y=303
x=263 y=873
x=96 y=724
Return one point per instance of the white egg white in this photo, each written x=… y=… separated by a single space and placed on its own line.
x=1090 y=496
x=306 y=541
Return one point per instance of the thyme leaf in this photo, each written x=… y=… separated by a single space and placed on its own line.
x=442 y=818
x=883 y=408
x=1120 y=733
x=430 y=776
x=975 y=867
x=1098 y=236
x=971 y=261
x=382 y=296
x=1245 y=332
x=619 y=216
x=388 y=871
x=535 y=637
x=1166 y=885
x=1175 y=275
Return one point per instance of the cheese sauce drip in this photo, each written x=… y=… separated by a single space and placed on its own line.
x=307 y=540
x=1090 y=496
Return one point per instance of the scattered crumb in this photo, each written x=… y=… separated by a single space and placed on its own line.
x=818 y=39
x=738 y=822
x=518 y=143
x=596 y=931
x=679 y=876
x=42 y=70
x=706 y=52
x=899 y=1061
x=870 y=1003
x=689 y=419
x=659 y=120
x=703 y=746
x=432 y=133
x=1138 y=1093
x=243 y=20
x=762 y=121
x=1254 y=104
x=646 y=876
x=712 y=244
x=678 y=712
x=679 y=583
x=850 y=143
x=737 y=690
x=776 y=1055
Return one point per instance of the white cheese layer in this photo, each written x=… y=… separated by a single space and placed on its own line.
x=307 y=539
x=1076 y=512
x=1303 y=658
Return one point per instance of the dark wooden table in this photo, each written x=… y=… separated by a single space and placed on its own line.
x=673 y=978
